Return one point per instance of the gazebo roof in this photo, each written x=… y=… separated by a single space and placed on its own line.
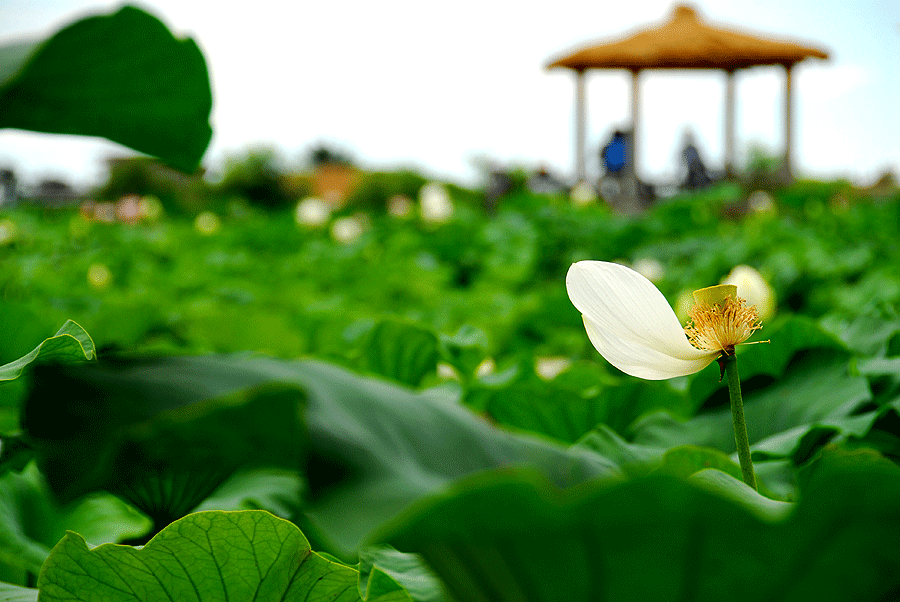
x=686 y=42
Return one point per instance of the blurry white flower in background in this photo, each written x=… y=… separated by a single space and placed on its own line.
x=347 y=229
x=207 y=223
x=754 y=289
x=649 y=268
x=435 y=205
x=761 y=202
x=487 y=366
x=447 y=372
x=399 y=206
x=99 y=276
x=583 y=194
x=549 y=368
x=312 y=211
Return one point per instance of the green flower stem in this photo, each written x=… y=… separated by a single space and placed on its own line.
x=737 y=415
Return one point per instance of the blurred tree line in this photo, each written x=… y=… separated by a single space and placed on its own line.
x=260 y=178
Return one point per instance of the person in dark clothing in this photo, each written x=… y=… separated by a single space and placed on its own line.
x=697 y=176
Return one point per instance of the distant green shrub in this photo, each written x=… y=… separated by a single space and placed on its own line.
x=143 y=176
x=376 y=188
x=256 y=177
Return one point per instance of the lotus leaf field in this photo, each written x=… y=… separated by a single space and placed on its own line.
x=256 y=410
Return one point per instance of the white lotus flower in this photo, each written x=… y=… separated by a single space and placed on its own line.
x=633 y=326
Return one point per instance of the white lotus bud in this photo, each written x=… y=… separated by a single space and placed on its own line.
x=312 y=211
x=435 y=205
x=754 y=289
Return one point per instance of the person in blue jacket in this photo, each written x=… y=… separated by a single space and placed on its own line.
x=615 y=154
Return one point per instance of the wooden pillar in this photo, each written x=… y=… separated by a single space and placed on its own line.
x=630 y=201
x=729 y=124
x=580 y=126
x=787 y=168
x=635 y=103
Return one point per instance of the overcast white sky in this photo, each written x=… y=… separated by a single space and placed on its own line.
x=439 y=85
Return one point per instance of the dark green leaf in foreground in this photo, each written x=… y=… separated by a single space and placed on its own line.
x=513 y=537
x=138 y=429
x=71 y=343
x=247 y=555
x=123 y=76
x=373 y=447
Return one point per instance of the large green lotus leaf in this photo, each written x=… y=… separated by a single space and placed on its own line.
x=205 y=556
x=374 y=447
x=816 y=388
x=136 y=428
x=882 y=436
x=122 y=76
x=392 y=446
x=31 y=522
x=866 y=334
x=556 y=410
x=513 y=536
x=383 y=569
x=400 y=351
x=71 y=343
x=17 y=593
x=884 y=375
x=633 y=459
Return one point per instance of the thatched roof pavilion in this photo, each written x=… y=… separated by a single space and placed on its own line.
x=685 y=41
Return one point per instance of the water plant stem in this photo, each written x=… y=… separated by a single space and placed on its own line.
x=737 y=416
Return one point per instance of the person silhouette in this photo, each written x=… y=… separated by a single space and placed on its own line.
x=697 y=176
x=615 y=153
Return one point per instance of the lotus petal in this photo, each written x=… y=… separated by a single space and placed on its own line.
x=630 y=322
